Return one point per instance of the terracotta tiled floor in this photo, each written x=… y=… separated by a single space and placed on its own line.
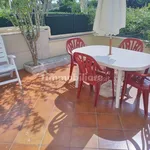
x=46 y=115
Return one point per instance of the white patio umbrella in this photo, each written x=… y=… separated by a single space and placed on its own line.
x=110 y=18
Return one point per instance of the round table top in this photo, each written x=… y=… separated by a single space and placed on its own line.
x=121 y=59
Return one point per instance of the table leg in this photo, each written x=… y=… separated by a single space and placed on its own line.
x=118 y=90
x=77 y=77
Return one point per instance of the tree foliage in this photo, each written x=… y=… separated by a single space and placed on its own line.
x=92 y=5
x=70 y=6
x=137 y=21
x=137 y=3
x=4 y=4
x=28 y=15
x=65 y=5
x=83 y=6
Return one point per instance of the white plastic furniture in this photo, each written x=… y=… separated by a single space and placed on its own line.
x=7 y=65
x=121 y=60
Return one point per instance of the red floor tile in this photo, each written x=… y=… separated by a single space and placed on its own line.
x=132 y=121
x=61 y=119
x=84 y=120
x=56 y=136
x=109 y=121
x=54 y=148
x=84 y=107
x=106 y=106
x=84 y=137
x=112 y=139
x=24 y=147
x=5 y=146
x=47 y=114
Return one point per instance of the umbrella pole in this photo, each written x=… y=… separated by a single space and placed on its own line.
x=110 y=45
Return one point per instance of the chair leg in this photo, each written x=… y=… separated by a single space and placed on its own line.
x=71 y=69
x=79 y=88
x=97 y=90
x=18 y=77
x=91 y=87
x=145 y=101
x=123 y=90
x=11 y=74
x=146 y=71
x=113 y=83
x=138 y=94
x=113 y=89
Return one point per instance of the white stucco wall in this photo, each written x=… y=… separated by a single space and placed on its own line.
x=56 y=45
x=15 y=44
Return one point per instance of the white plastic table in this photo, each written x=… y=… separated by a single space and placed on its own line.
x=121 y=60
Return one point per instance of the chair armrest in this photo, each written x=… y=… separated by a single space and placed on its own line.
x=139 y=74
x=146 y=71
x=11 y=56
x=140 y=77
x=11 y=59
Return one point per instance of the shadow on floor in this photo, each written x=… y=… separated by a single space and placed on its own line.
x=129 y=111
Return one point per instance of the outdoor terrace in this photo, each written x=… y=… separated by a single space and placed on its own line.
x=46 y=115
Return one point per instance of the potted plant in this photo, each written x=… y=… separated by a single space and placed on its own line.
x=28 y=15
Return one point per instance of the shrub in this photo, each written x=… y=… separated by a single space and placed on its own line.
x=137 y=22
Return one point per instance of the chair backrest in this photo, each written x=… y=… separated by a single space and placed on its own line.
x=132 y=44
x=74 y=43
x=87 y=64
x=3 y=55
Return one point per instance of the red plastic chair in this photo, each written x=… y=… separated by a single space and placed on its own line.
x=132 y=44
x=91 y=72
x=141 y=82
x=72 y=44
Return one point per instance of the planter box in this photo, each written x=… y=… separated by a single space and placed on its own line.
x=46 y=64
x=33 y=69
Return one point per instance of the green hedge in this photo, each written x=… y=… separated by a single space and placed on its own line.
x=137 y=23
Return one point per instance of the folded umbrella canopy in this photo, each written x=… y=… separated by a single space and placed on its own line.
x=110 y=18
